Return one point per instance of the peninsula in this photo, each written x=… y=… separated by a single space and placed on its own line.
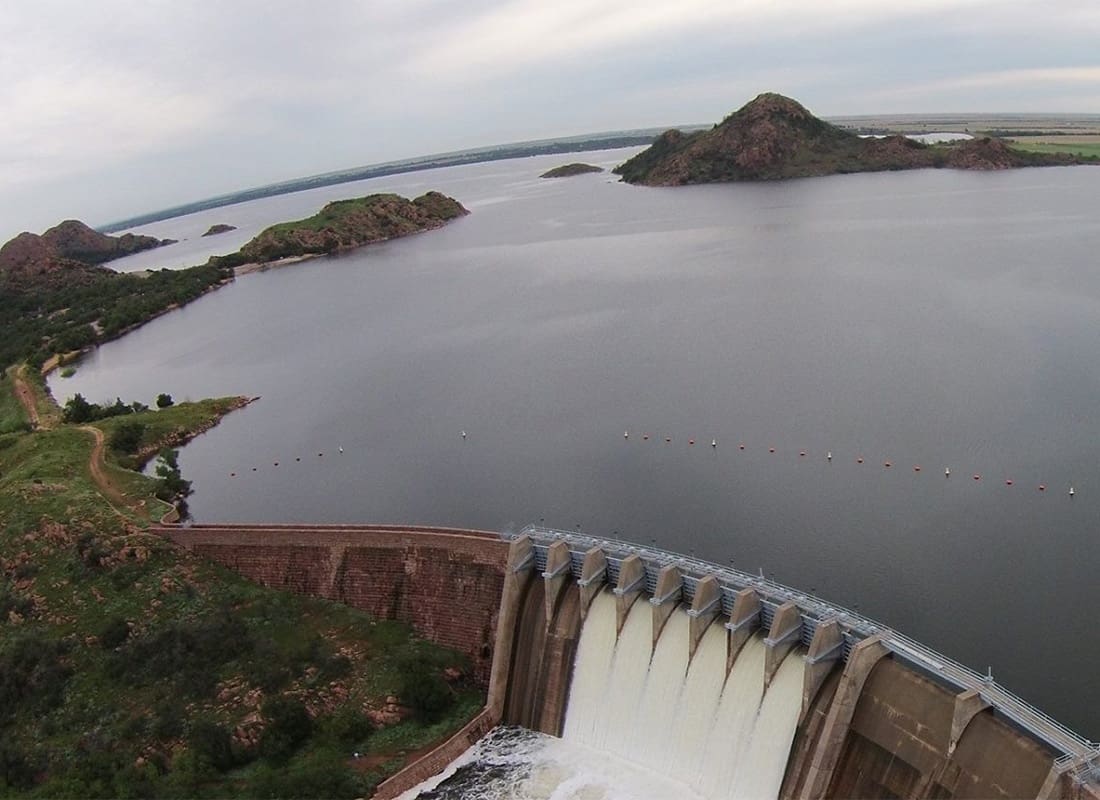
x=56 y=298
x=347 y=224
x=774 y=137
x=569 y=170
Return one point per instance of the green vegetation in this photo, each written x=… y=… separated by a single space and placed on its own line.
x=54 y=318
x=130 y=669
x=1089 y=150
x=12 y=416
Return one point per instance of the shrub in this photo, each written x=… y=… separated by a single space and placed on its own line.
x=288 y=727
x=126 y=438
x=114 y=632
x=424 y=691
x=211 y=744
x=164 y=400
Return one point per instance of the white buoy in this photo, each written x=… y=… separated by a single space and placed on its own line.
x=1071 y=491
x=947 y=472
x=464 y=434
x=829 y=456
x=713 y=442
x=626 y=434
x=341 y=449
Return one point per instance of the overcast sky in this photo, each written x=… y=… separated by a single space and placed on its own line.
x=114 y=108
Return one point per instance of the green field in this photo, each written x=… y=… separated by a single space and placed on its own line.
x=1083 y=149
x=129 y=668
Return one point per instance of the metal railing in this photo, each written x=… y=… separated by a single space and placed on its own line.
x=1078 y=753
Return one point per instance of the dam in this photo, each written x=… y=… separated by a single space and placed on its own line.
x=729 y=683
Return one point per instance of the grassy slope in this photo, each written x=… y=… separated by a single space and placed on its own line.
x=92 y=720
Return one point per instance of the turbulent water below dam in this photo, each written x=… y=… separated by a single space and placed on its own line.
x=644 y=722
x=930 y=319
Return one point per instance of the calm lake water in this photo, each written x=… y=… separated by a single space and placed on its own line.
x=932 y=318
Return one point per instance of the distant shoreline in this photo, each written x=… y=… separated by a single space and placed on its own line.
x=616 y=141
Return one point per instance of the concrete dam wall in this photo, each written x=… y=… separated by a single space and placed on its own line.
x=743 y=686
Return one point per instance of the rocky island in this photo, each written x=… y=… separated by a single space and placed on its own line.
x=569 y=170
x=347 y=224
x=774 y=137
x=220 y=227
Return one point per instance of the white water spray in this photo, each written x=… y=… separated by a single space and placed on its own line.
x=719 y=736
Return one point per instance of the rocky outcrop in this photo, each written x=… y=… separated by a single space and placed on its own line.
x=569 y=170
x=68 y=252
x=74 y=240
x=774 y=137
x=220 y=227
x=346 y=224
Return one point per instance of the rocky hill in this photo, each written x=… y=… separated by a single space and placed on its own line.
x=346 y=224
x=774 y=137
x=68 y=252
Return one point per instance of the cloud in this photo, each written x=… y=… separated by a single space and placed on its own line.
x=959 y=91
x=521 y=33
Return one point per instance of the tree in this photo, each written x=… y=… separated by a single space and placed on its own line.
x=164 y=400
x=171 y=483
x=79 y=410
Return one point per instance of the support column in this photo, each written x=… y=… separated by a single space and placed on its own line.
x=1053 y=785
x=968 y=705
x=670 y=588
x=826 y=755
x=518 y=573
x=704 y=608
x=559 y=565
x=630 y=585
x=744 y=620
x=826 y=649
x=786 y=632
x=593 y=577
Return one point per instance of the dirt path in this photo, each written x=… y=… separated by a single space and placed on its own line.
x=26 y=396
x=97 y=467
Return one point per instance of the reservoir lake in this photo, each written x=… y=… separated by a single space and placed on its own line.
x=933 y=319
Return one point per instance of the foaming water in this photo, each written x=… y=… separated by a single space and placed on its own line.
x=517 y=764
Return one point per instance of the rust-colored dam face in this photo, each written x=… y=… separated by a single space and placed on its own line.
x=880 y=716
